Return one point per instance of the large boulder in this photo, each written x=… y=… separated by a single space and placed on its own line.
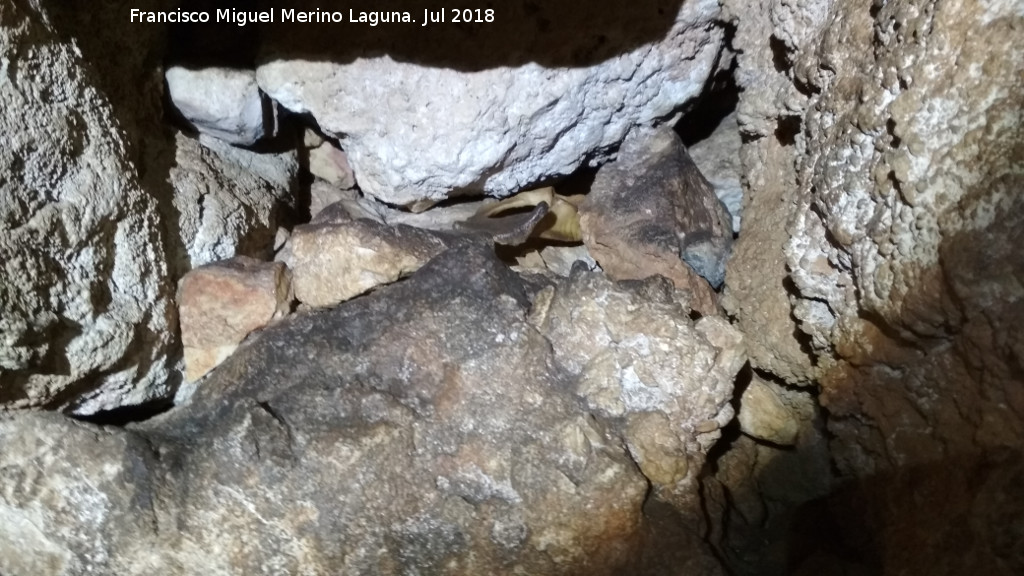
x=85 y=301
x=436 y=425
x=539 y=91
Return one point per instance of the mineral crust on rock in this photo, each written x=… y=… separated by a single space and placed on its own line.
x=511 y=102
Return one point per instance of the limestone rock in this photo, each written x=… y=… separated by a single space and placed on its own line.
x=757 y=283
x=85 y=306
x=230 y=201
x=638 y=358
x=765 y=415
x=337 y=260
x=561 y=259
x=902 y=251
x=650 y=209
x=79 y=499
x=225 y=103
x=513 y=101
x=219 y=304
x=330 y=163
x=884 y=148
x=718 y=157
x=323 y=194
x=405 y=433
x=424 y=427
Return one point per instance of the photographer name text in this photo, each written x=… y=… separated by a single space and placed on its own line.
x=291 y=16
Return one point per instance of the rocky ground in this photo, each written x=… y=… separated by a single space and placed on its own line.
x=275 y=304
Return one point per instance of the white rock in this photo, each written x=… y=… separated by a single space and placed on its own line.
x=718 y=157
x=222 y=102
x=502 y=127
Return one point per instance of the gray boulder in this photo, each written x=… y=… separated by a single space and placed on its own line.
x=423 y=111
x=85 y=299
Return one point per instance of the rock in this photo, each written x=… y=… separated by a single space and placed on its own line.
x=513 y=101
x=444 y=217
x=765 y=415
x=718 y=158
x=881 y=259
x=85 y=298
x=639 y=360
x=430 y=423
x=560 y=259
x=337 y=260
x=225 y=103
x=761 y=500
x=219 y=304
x=757 y=285
x=425 y=427
x=650 y=207
x=79 y=499
x=330 y=164
x=229 y=201
x=323 y=194
x=900 y=248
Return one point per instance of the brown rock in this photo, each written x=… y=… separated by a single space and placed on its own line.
x=765 y=415
x=423 y=426
x=881 y=258
x=651 y=208
x=330 y=164
x=221 y=303
x=641 y=361
x=337 y=260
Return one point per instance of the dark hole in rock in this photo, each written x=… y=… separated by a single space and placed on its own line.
x=787 y=130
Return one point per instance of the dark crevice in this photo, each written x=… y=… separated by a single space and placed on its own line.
x=716 y=102
x=124 y=415
x=780 y=54
x=787 y=129
x=890 y=127
x=802 y=338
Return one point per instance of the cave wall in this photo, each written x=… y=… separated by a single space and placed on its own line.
x=86 y=314
x=884 y=163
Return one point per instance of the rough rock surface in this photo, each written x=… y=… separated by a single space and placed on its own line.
x=718 y=157
x=225 y=103
x=909 y=279
x=85 y=308
x=425 y=428
x=76 y=499
x=229 y=201
x=330 y=163
x=219 y=304
x=650 y=209
x=884 y=159
x=513 y=101
x=334 y=261
x=767 y=413
x=638 y=358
